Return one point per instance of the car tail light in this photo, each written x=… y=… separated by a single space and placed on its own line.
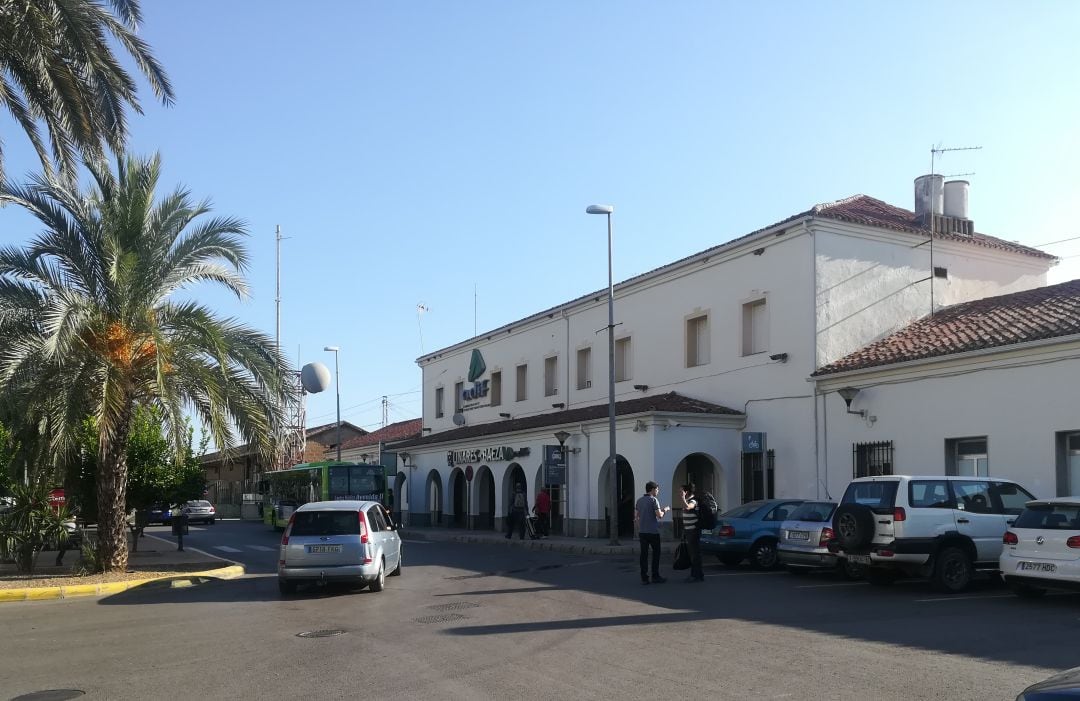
x=364 y=540
x=1010 y=539
x=726 y=532
x=211 y=509
x=885 y=553
x=827 y=534
x=1073 y=541
x=288 y=529
x=898 y=514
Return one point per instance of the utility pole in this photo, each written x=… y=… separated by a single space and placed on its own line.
x=277 y=296
x=385 y=411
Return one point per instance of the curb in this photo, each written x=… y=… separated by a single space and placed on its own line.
x=554 y=546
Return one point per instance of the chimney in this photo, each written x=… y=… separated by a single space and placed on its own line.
x=956 y=198
x=928 y=197
x=945 y=202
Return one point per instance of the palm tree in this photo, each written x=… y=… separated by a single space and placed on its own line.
x=91 y=324
x=57 y=67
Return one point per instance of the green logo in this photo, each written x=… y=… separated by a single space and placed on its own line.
x=476 y=366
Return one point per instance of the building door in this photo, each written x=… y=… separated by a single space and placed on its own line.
x=1072 y=462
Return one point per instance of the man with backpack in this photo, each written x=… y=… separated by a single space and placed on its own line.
x=516 y=518
x=692 y=533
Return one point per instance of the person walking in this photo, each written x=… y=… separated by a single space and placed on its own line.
x=691 y=533
x=647 y=513
x=542 y=509
x=518 y=509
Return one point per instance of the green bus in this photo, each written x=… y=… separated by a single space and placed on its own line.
x=286 y=490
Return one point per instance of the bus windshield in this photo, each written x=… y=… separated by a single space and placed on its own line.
x=360 y=482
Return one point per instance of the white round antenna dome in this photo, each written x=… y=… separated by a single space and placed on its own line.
x=459 y=419
x=315 y=377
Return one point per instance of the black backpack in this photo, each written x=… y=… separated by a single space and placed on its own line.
x=706 y=509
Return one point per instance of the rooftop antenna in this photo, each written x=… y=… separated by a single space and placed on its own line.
x=934 y=151
x=474 y=331
x=420 y=309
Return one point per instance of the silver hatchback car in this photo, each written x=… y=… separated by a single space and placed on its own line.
x=339 y=541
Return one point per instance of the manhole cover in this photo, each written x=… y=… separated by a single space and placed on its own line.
x=441 y=618
x=51 y=695
x=321 y=633
x=455 y=606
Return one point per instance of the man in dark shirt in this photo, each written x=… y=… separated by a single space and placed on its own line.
x=692 y=533
x=648 y=514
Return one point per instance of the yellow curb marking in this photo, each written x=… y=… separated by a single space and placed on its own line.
x=107 y=588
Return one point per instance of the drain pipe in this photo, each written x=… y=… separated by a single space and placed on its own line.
x=588 y=477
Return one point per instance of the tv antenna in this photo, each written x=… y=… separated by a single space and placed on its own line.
x=935 y=151
x=420 y=309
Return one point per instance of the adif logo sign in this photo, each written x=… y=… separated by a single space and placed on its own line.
x=477 y=394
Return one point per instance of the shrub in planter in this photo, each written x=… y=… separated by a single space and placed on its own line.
x=29 y=525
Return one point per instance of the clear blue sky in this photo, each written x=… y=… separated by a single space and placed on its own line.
x=412 y=150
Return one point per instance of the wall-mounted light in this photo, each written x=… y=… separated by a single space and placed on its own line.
x=558 y=405
x=849 y=393
x=640 y=425
x=641 y=388
x=504 y=415
x=405 y=459
x=779 y=357
x=758 y=251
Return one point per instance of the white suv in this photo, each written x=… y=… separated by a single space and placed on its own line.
x=939 y=527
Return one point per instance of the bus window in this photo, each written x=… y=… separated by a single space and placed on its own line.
x=339 y=483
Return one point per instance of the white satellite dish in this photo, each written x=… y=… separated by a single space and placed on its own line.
x=459 y=419
x=315 y=377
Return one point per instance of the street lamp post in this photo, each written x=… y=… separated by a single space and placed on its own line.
x=337 y=387
x=607 y=210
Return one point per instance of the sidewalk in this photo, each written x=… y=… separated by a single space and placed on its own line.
x=157 y=560
x=579 y=546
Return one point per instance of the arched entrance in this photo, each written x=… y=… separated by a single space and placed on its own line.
x=401 y=498
x=434 y=494
x=459 y=507
x=554 y=491
x=701 y=470
x=514 y=475
x=484 y=497
x=625 y=496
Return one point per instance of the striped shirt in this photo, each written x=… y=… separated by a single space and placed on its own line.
x=689 y=516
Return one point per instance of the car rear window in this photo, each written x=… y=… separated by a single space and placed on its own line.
x=743 y=511
x=879 y=496
x=815 y=511
x=325 y=523
x=1054 y=517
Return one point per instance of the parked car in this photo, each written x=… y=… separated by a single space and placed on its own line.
x=1042 y=547
x=805 y=538
x=339 y=541
x=750 y=531
x=1063 y=686
x=199 y=510
x=159 y=513
x=944 y=528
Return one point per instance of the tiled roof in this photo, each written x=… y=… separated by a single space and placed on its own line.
x=1020 y=317
x=869 y=211
x=670 y=402
x=858 y=209
x=326 y=427
x=245 y=449
x=393 y=432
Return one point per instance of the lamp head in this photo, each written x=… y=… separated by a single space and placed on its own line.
x=561 y=436
x=599 y=209
x=332 y=349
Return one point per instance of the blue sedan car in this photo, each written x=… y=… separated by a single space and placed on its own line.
x=750 y=531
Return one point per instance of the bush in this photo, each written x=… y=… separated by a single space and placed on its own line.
x=29 y=525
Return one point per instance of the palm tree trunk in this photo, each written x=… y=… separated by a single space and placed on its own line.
x=112 y=496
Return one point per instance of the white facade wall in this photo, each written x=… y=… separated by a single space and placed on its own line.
x=1020 y=400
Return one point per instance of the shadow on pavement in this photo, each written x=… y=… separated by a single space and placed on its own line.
x=193 y=590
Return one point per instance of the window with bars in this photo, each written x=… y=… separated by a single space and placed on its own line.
x=872 y=459
x=758 y=476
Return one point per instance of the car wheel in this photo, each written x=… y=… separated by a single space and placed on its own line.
x=211 y=522
x=730 y=560
x=380 y=580
x=400 y=561
x=879 y=576
x=285 y=587
x=1027 y=591
x=851 y=570
x=854 y=525
x=763 y=554
x=952 y=570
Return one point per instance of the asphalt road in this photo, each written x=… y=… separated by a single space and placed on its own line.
x=491 y=622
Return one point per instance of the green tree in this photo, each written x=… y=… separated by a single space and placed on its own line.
x=58 y=68
x=91 y=325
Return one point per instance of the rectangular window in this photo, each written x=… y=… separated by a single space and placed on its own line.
x=551 y=376
x=438 y=402
x=967 y=457
x=697 y=341
x=755 y=327
x=522 y=383
x=496 y=388
x=584 y=368
x=872 y=459
x=758 y=476
x=930 y=494
x=458 y=387
x=972 y=496
x=624 y=369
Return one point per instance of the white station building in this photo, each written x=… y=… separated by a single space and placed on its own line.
x=772 y=365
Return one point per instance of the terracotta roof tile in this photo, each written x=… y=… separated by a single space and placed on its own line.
x=1020 y=317
x=392 y=432
x=670 y=402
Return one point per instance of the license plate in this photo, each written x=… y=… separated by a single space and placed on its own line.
x=798 y=535
x=324 y=548
x=1037 y=567
x=859 y=559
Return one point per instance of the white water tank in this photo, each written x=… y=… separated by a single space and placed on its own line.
x=928 y=195
x=956 y=199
